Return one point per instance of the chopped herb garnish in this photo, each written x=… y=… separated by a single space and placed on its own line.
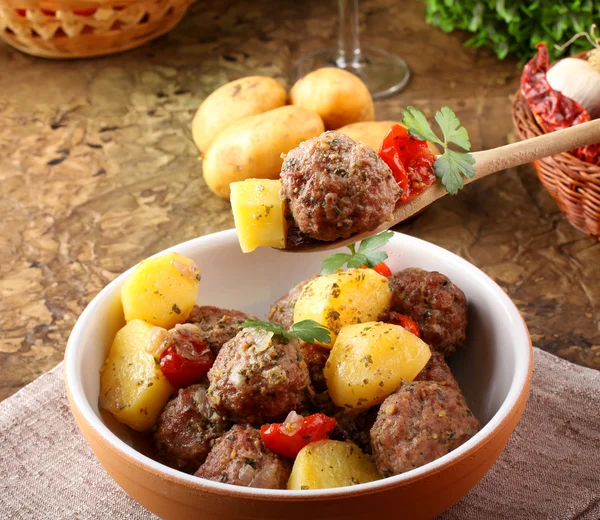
x=451 y=166
x=365 y=255
x=305 y=330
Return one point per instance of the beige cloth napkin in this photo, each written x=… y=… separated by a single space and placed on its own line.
x=550 y=468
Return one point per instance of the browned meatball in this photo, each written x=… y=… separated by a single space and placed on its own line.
x=217 y=325
x=437 y=370
x=259 y=377
x=187 y=429
x=315 y=357
x=437 y=306
x=335 y=187
x=419 y=423
x=282 y=311
x=355 y=426
x=241 y=458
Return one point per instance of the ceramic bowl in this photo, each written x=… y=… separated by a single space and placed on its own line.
x=493 y=369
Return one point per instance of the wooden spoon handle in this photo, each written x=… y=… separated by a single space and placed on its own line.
x=522 y=152
x=486 y=162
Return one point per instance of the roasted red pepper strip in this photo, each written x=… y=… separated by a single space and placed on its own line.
x=404 y=321
x=553 y=109
x=382 y=269
x=304 y=430
x=186 y=357
x=410 y=160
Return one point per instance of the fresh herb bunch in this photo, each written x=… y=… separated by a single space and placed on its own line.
x=451 y=166
x=513 y=26
x=366 y=254
x=306 y=330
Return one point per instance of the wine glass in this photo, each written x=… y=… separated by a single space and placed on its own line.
x=384 y=73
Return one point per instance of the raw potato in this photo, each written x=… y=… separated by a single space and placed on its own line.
x=330 y=464
x=233 y=101
x=373 y=132
x=161 y=290
x=132 y=387
x=258 y=213
x=343 y=298
x=338 y=96
x=252 y=147
x=369 y=361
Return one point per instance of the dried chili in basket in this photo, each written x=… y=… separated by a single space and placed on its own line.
x=552 y=109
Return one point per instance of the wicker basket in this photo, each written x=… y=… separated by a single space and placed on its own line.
x=85 y=28
x=574 y=184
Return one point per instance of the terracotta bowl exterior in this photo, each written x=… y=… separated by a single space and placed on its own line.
x=493 y=369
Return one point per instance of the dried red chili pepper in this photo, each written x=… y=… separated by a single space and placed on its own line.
x=553 y=109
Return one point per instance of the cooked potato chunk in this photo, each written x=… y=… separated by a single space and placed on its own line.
x=161 y=290
x=369 y=361
x=132 y=387
x=329 y=464
x=258 y=213
x=343 y=298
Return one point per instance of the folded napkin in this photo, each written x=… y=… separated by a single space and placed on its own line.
x=550 y=468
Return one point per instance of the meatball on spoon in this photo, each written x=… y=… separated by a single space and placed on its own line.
x=486 y=163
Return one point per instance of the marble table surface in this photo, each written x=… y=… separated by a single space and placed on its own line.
x=98 y=169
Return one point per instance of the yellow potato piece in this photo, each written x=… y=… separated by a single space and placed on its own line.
x=372 y=133
x=258 y=213
x=343 y=298
x=338 y=96
x=233 y=101
x=330 y=464
x=369 y=361
x=252 y=147
x=132 y=387
x=161 y=290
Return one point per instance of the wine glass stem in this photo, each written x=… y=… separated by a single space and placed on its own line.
x=348 y=40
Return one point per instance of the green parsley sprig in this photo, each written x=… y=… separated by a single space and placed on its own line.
x=306 y=330
x=366 y=254
x=451 y=166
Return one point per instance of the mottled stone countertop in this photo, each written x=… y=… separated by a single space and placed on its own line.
x=98 y=170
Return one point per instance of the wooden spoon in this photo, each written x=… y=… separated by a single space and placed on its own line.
x=486 y=163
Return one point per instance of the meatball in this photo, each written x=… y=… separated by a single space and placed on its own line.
x=355 y=426
x=259 y=377
x=315 y=358
x=187 y=429
x=217 y=325
x=282 y=311
x=419 y=423
x=437 y=370
x=241 y=458
x=437 y=306
x=335 y=187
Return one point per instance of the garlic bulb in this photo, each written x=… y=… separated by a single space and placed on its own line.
x=578 y=80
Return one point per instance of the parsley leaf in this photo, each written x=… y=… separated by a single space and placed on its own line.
x=366 y=254
x=334 y=262
x=451 y=166
x=311 y=331
x=305 y=330
x=417 y=125
x=450 y=125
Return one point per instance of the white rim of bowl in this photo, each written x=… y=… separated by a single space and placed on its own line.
x=77 y=394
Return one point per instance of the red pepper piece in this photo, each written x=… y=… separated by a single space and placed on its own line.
x=186 y=357
x=304 y=430
x=22 y=12
x=404 y=321
x=553 y=109
x=381 y=268
x=410 y=160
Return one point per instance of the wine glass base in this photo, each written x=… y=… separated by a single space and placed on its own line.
x=384 y=73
